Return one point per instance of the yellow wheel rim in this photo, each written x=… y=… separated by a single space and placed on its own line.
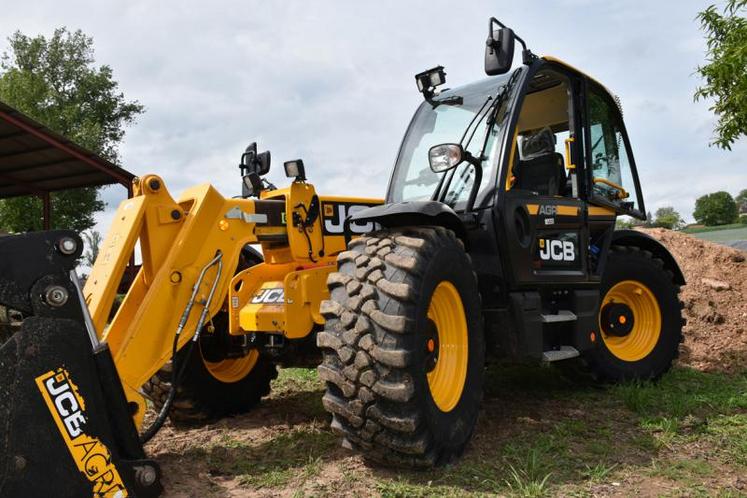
x=234 y=369
x=646 y=329
x=446 y=379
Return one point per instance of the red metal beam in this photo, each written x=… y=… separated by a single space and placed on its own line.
x=124 y=180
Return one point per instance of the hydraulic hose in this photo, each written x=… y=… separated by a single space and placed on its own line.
x=177 y=371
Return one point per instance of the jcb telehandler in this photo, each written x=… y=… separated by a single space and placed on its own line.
x=497 y=236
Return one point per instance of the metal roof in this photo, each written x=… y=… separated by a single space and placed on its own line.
x=35 y=160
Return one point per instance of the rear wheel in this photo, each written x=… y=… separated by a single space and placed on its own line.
x=403 y=347
x=640 y=321
x=214 y=386
x=213 y=389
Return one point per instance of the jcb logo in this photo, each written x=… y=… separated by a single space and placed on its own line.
x=269 y=296
x=557 y=250
x=91 y=456
x=335 y=214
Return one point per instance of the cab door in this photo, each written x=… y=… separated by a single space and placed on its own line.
x=610 y=173
x=544 y=238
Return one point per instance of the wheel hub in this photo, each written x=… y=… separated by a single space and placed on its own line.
x=617 y=319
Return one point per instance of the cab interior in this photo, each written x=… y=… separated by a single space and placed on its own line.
x=537 y=160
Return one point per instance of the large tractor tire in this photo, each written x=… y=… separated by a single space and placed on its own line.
x=640 y=319
x=403 y=347
x=210 y=390
x=213 y=389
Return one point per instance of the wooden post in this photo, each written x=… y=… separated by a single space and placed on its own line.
x=46 y=211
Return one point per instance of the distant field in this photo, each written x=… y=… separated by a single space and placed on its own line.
x=739 y=232
x=701 y=228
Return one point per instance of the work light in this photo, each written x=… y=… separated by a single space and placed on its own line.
x=428 y=80
x=295 y=169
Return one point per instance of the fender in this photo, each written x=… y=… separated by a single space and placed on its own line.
x=413 y=213
x=648 y=243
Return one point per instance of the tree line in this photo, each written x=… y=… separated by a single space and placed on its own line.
x=715 y=209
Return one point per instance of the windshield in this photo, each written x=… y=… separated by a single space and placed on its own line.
x=413 y=179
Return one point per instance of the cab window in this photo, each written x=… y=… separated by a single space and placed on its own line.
x=611 y=168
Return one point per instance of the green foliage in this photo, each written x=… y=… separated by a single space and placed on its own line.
x=741 y=200
x=725 y=74
x=54 y=80
x=717 y=208
x=667 y=217
x=93 y=241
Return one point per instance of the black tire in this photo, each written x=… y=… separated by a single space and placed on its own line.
x=373 y=347
x=201 y=396
x=631 y=263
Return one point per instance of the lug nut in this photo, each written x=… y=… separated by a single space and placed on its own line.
x=56 y=296
x=146 y=475
x=67 y=245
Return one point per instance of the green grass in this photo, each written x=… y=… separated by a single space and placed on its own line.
x=705 y=229
x=542 y=432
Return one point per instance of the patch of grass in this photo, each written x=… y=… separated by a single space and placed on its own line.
x=684 y=392
x=729 y=432
x=599 y=472
x=682 y=469
x=529 y=479
x=703 y=229
x=296 y=379
x=291 y=456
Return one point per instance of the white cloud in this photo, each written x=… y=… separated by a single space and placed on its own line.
x=332 y=81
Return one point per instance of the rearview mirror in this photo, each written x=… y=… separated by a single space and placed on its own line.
x=253 y=162
x=443 y=157
x=499 y=50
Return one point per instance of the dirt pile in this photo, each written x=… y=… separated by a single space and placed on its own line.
x=715 y=300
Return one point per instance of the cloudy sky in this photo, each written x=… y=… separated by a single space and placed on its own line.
x=332 y=81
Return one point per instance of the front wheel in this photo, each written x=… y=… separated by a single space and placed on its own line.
x=403 y=347
x=639 y=318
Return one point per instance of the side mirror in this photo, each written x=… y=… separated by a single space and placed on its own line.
x=443 y=157
x=253 y=162
x=499 y=50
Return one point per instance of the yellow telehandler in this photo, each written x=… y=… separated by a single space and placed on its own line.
x=188 y=333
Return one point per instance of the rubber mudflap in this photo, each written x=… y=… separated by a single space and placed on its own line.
x=56 y=435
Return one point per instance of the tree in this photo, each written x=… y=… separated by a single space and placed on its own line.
x=725 y=74
x=92 y=240
x=741 y=200
x=667 y=217
x=717 y=208
x=56 y=82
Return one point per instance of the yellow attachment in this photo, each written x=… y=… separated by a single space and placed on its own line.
x=446 y=380
x=568 y=164
x=289 y=306
x=232 y=369
x=646 y=330
x=621 y=192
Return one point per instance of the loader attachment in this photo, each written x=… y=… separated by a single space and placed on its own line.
x=65 y=425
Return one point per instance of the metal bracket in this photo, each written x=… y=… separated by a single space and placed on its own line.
x=237 y=214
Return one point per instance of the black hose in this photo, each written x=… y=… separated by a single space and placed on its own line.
x=176 y=377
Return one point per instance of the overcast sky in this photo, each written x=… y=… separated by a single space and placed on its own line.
x=332 y=82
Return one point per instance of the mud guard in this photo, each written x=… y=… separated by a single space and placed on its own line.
x=65 y=426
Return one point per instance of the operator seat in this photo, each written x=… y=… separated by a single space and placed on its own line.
x=541 y=169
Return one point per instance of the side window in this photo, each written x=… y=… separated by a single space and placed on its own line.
x=611 y=171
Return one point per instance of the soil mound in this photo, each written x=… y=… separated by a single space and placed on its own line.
x=715 y=299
